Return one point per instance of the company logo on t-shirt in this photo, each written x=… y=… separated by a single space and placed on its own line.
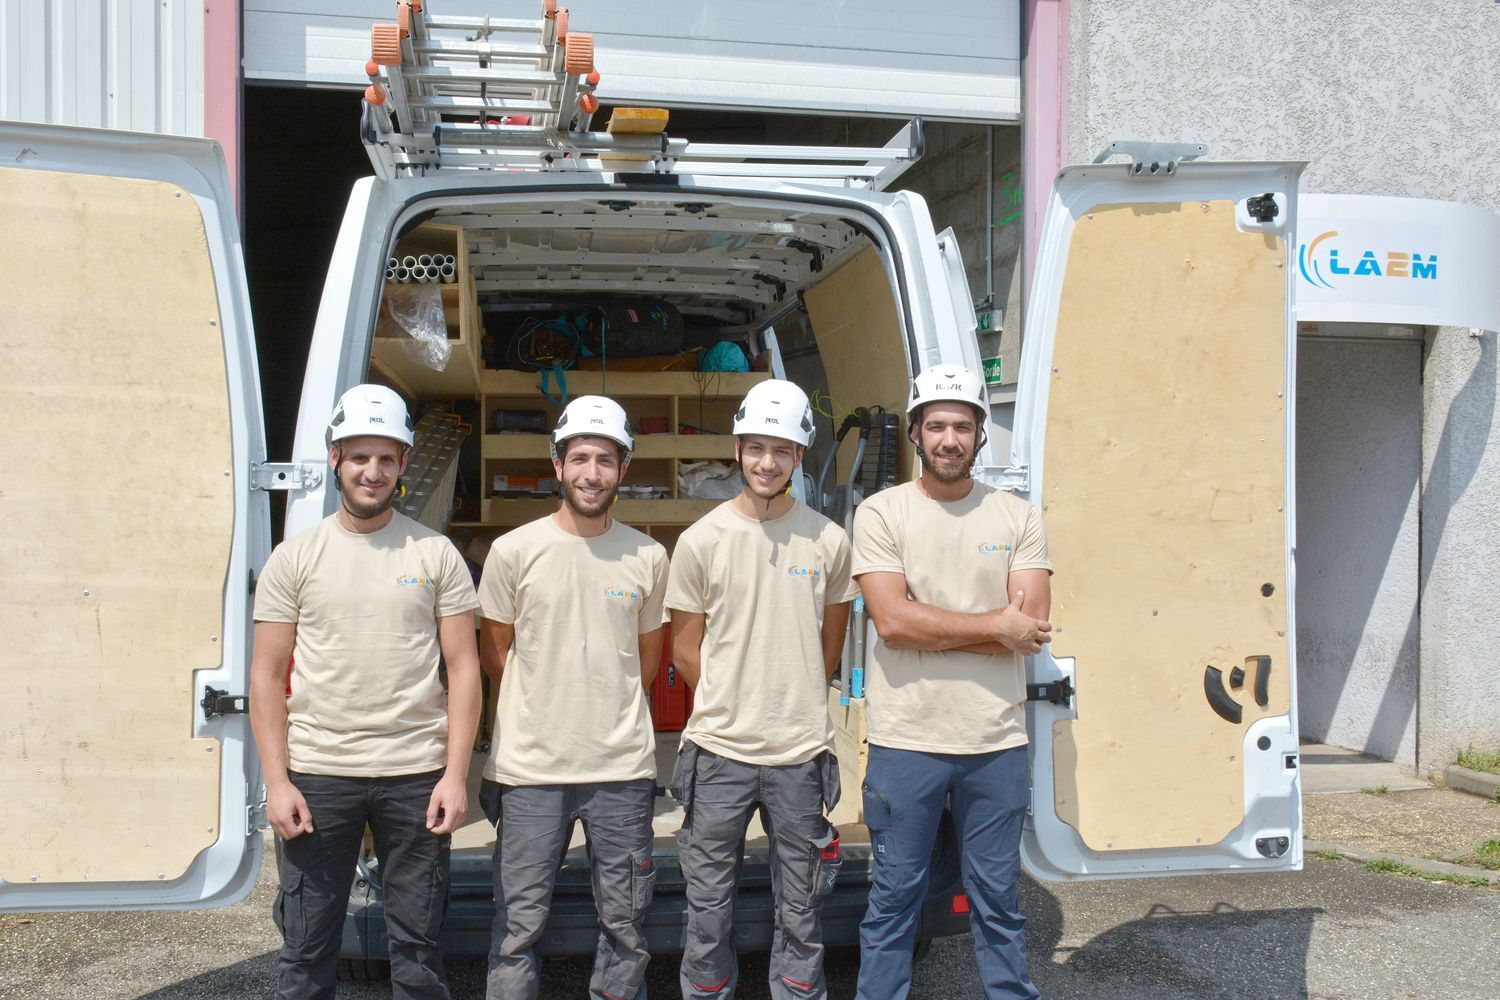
x=795 y=570
x=988 y=548
x=409 y=580
x=622 y=594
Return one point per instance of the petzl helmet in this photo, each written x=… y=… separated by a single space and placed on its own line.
x=776 y=408
x=594 y=416
x=373 y=411
x=948 y=384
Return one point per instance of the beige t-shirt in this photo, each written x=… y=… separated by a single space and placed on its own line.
x=762 y=696
x=956 y=556
x=571 y=708
x=366 y=699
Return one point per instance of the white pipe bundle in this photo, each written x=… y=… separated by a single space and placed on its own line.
x=403 y=273
x=441 y=268
x=449 y=272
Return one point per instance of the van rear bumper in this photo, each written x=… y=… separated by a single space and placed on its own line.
x=573 y=928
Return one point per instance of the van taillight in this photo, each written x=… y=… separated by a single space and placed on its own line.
x=960 y=903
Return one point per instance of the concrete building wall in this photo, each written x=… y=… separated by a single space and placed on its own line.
x=1381 y=97
x=1359 y=446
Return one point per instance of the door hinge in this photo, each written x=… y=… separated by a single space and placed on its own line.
x=285 y=476
x=1058 y=692
x=1153 y=159
x=1005 y=477
x=216 y=703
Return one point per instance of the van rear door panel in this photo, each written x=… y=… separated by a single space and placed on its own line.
x=127 y=531
x=1154 y=421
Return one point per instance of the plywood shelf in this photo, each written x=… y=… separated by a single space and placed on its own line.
x=503 y=513
x=618 y=385
x=388 y=355
x=688 y=447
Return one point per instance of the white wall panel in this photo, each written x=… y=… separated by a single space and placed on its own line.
x=960 y=61
x=123 y=64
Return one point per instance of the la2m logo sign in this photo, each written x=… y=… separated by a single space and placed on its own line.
x=1323 y=262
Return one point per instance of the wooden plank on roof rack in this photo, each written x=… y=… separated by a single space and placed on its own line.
x=637 y=121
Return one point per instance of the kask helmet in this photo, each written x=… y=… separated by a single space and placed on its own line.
x=776 y=408
x=594 y=416
x=371 y=410
x=948 y=384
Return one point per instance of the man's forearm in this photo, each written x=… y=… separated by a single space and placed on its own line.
x=914 y=625
x=268 y=723
x=835 y=630
x=464 y=697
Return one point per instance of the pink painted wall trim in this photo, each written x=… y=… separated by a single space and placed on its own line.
x=1044 y=118
x=221 y=87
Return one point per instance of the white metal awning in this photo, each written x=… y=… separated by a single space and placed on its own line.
x=960 y=62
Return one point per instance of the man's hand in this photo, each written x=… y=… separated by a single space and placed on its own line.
x=287 y=810
x=448 y=805
x=1019 y=631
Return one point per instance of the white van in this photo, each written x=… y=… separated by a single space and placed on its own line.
x=1152 y=428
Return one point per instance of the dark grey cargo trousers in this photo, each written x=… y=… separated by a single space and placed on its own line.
x=535 y=823
x=317 y=870
x=719 y=796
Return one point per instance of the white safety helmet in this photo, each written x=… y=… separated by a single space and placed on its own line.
x=776 y=408
x=948 y=383
x=594 y=416
x=371 y=410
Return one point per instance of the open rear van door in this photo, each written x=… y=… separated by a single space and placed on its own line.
x=1154 y=427
x=129 y=526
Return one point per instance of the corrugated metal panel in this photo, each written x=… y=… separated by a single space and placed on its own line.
x=123 y=64
x=960 y=60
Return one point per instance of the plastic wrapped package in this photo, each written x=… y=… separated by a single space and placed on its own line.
x=708 y=480
x=415 y=314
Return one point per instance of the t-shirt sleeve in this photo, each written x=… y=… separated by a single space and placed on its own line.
x=840 y=587
x=686 y=589
x=654 y=607
x=1031 y=545
x=874 y=542
x=277 y=590
x=455 y=587
x=497 y=585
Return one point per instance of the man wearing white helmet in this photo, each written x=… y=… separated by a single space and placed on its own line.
x=760 y=598
x=572 y=633
x=369 y=600
x=956 y=579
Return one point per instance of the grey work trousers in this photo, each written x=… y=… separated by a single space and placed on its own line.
x=718 y=796
x=317 y=869
x=535 y=824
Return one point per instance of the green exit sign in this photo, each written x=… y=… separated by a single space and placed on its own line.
x=992 y=371
x=989 y=320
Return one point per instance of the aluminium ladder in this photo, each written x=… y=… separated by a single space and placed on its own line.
x=482 y=93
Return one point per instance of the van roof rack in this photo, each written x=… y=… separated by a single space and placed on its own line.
x=482 y=93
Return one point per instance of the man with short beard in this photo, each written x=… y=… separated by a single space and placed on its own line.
x=367 y=599
x=572 y=633
x=956 y=579
x=760 y=598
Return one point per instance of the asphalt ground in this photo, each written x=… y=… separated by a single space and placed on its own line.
x=1334 y=930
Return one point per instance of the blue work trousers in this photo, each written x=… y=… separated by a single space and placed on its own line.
x=905 y=792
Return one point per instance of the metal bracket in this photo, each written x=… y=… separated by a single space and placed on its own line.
x=256 y=818
x=1152 y=159
x=1058 y=692
x=1005 y=477
x=285 y=476
x=216 y=703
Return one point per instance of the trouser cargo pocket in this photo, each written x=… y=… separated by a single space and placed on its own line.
x=642 y=881
x=289 y=912
x=683 y=774
x=827 y=859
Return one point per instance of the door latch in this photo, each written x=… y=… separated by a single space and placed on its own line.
x=216 y=703
x=285 y=476
x=1058 y=692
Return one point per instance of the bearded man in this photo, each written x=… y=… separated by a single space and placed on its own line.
x=571 y=631
x=956 y=579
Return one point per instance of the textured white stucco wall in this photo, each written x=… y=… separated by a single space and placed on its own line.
x=1359 y=449
x=1385 y=97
